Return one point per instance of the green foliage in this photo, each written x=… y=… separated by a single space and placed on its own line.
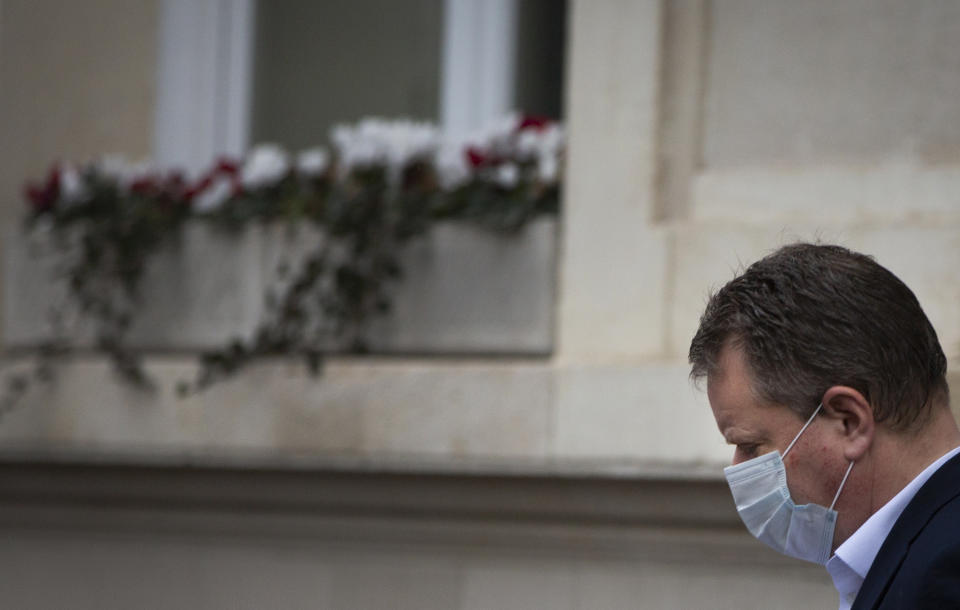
x=106 y=227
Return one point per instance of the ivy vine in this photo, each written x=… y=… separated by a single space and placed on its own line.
x=385 y=184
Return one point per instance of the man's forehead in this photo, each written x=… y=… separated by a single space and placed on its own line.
x=729 y=415
x=731 y=395
x=743 y=424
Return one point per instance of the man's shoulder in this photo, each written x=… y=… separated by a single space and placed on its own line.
x=932 y=520
x=940 y=535
x=929 y=576
x=918 y=565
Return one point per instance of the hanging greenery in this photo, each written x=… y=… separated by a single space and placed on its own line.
x=381 y=184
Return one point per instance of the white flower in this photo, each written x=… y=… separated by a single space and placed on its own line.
x=313 y=162
x=548 y=169
x=122 y=171
x=549 y=148
x=451 y=165
x=507 y=175
x=72 y=188
x=540 y=142
x=112 y=166
x=214 y=196
x=552 y=139
x=545 y=146
x=503 y=128
x=498 y=136
x=266 y=165
x=352 y=150
x=409 y=141
x=529 y=143
x=136 y=171
x=393 y=144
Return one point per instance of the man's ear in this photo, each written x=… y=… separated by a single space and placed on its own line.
x=854 y=414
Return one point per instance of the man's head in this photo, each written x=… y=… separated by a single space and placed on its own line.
x=815 y=325
x=809 y=317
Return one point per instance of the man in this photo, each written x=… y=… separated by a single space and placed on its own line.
x=819 y=354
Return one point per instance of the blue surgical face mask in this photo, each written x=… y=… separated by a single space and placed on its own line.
x=759 y=488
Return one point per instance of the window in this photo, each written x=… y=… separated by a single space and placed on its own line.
x=235 y=72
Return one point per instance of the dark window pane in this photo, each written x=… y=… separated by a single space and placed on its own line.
x=321 y=63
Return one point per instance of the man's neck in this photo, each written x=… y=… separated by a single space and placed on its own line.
x=907 y=455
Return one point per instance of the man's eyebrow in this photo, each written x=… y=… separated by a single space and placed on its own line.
x=734 y=435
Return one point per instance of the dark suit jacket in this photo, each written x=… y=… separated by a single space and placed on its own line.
x=918 y=565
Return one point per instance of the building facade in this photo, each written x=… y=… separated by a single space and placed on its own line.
x=701 y=135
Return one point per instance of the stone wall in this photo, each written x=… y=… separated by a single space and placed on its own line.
x=217 y=536
x=703 y=134
x=611 y=395
x=664 y=199
x=77 y=80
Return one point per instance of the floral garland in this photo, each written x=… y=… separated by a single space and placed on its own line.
x=383 y=183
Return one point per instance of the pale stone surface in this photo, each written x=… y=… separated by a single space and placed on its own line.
x=313 y=416
x=888 y=193
x=682 y=83
x=870 y=163
x=630 y=300
x=228 y=417
x=197 y=291
x=926 y=259
x=653 y=585
x=87 y=407
x=611 y=303
x=42 y=418
x=89 y=89
x=705 y=258
x=802 y=82
x=201 y=290
x=622 y=418
x=519 y=584
x=448 y=411
x=156 y=573
x=185 y=554
x=953 y=380
x=482 y=411
x=28 y=294
x=465 y=290
x=646 y=412
x=390 y=582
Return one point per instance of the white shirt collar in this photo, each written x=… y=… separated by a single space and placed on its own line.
x=852 y=560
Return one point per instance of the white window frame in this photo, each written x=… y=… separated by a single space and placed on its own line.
x=204 y=79
x=478 y=63
x=205 y=74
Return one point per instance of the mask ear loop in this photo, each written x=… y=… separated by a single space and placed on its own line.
x=842 y=483
x=809 y=421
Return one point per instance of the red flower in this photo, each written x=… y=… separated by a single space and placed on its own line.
x=476 y=157
x=175 y=183
x=44 y=196
x=225 y=168
x=144 y=186
x=171 y=189
x=230 y=168
x=200 y=186
x=226 y=165
x=533 y=122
